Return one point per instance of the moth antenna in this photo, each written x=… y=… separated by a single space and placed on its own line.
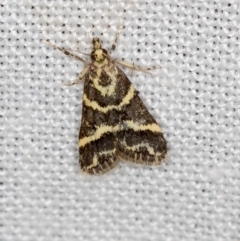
x=116 y=38
x=65 y=51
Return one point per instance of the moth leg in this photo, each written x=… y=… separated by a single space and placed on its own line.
x=116 y=38
x=80 y=77
x=66 y=52
x=134 y=67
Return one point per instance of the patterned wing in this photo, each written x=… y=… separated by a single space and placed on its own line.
x=97 y=149
x=140 y=138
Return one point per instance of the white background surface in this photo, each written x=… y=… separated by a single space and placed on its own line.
x=194 y=97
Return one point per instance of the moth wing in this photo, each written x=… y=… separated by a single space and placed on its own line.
x=140 y=139
x=97 y=151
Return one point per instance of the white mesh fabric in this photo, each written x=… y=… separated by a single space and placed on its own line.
x=194 y=97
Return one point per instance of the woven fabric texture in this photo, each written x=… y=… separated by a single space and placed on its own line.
x=194 y=97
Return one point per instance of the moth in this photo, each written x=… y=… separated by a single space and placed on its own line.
x=115 y=125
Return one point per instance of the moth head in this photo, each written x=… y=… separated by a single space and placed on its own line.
x=98 y=54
